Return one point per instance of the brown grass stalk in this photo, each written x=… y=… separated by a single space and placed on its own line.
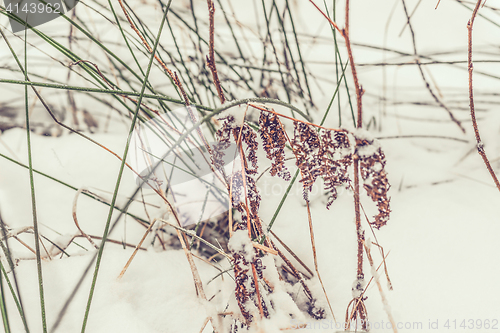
x=291 y=252
x=313 y=244
x=172 y=75
x=196 y=276
x=360 y=232
x=358 y=88
x=136 y=249
x=75 y=219
x=211 y=56
x=480 y=145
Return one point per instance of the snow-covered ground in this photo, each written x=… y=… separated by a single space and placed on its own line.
x=441 y=239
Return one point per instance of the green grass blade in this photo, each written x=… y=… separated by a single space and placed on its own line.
x=106 y=229
x=32 y=186
x=3 y=308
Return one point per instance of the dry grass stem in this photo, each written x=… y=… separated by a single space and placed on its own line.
x=480 y=145
x=427 y=85
x=75 y=219
x=211 y=56
x=136 y=249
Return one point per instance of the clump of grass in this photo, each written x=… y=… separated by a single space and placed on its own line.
x=212 y=81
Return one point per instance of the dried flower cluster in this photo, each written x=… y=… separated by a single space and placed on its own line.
x=325 y=153
x=274 y=139
x=328 y=153
x=247 y=264
x=242 y=180
x=336 y=159
x=372 y=164
x=307 y=149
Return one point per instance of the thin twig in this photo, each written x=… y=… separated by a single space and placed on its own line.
x=480 y=145
x=192 y=234
x=377 y=281
x=359 y=90
x=136 y=249
x=75 y=219
x=211 y=56
x=326 y=16
x=313 y=244
x=427 y=85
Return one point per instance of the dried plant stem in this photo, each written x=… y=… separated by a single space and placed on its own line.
x=389 y=282
x=25 y=245
x=311 y=231
x=194 y=270
x=359 y=231
x=356 y=302
x=265 y=248
x=192 y=234
x=196 y=276
x=136 y=249
x=211 y=56
x=359 y=308
x=359 y=90
x=266 y=109
x=313 y=243
x=359 y=93
x=291 y=252
x=326 y=16
x=204 y=324
x=297 y=275
x=257 y=291
x=345 y=33
x=371 y=279
x=480 y=145
x=171 y=74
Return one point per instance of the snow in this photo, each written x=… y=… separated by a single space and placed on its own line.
x=241 y=243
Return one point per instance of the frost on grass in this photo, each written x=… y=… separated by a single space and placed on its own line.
x=358 y=287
